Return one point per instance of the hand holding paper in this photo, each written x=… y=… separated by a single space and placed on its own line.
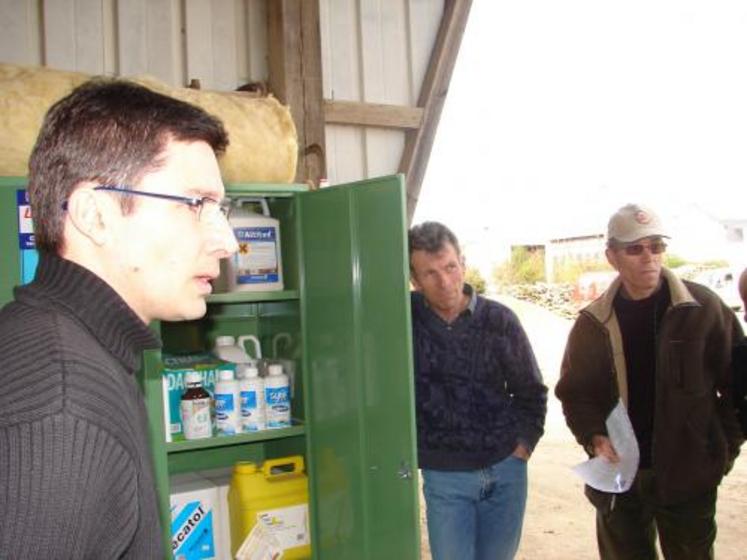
x=607 y=476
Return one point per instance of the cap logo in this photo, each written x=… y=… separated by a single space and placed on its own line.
x=642 y=217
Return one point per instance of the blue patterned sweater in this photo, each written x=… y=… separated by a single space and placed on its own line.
x=478 y=388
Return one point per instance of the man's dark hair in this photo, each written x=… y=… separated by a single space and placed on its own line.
x=109 y=132
x=431 y=237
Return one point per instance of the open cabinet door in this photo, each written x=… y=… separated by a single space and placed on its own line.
x=359 y=371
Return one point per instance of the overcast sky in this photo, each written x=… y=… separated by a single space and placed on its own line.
x=561 y=111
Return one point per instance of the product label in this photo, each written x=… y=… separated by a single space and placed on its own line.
x=289 y=525
x=225 y=414
x=278 y=406
x=248 y=402
x=250 y=414
x=26 y=243
x=192 y=532
x=196 y=418
x=256 y=261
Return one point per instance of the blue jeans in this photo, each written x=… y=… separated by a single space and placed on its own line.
x=476 y=515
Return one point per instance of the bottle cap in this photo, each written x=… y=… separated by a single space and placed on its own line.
x=275 y=369
x=225 y=340
x=251 y=371
x=193 y=377
x=225 y=375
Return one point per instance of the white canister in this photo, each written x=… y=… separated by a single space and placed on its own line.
x=277 y=398
x=252 y=395
x=227 y=350
x=257 y=265
x=227 y=404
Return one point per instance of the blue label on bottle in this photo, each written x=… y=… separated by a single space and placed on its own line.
x=255 y=234
x=248 y=402
x=223 y=405
x=277 y=396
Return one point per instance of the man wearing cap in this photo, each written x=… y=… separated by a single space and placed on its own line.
x=663 y=346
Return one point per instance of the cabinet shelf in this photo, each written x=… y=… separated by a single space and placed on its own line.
x=251 y=297
x=239 y=439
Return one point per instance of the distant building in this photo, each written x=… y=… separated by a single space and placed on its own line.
x=579 y=249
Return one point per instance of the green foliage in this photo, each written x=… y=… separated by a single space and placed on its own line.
x=714 y=264
x=673 y=261
x=569 y=270
x=525 y=267
x=473 y=277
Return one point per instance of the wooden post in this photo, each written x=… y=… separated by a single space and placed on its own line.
x=295 y=78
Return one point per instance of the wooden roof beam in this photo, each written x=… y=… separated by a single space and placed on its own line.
x=419 y=142
x=372 y=114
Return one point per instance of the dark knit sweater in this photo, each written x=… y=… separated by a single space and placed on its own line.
x=478 y=389
x=76 y=479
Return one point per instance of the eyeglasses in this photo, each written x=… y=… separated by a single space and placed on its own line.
x=635 y=249
x=205 y=206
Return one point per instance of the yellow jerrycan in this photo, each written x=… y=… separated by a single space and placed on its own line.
x=276 y=495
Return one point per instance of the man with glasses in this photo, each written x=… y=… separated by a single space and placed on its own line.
x=663 y=346
x=129 y=220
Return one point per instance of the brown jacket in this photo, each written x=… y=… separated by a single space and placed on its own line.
x=696 y=434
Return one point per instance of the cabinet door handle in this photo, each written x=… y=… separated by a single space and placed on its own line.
x=405 y=471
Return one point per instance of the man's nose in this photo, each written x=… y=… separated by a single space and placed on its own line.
x=222 y=241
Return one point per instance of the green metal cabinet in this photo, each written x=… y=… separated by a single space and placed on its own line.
x=343 y=320
x=10 y=264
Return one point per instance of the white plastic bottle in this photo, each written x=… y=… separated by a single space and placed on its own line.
x=252 y=394
x=227 y=405
x=257 y=266
x=277 y=398
x=227 y=350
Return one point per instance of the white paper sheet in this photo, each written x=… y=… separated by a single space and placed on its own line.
x=614 y=477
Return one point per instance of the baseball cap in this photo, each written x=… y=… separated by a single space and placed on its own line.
x=633 y=222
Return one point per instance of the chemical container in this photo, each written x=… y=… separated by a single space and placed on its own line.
x=221 y=478
x=252 y=396
x=195 y=521
x=195 y=408
x=257 y=265
x=277 y=496
x=277 y=398
x=227 y=404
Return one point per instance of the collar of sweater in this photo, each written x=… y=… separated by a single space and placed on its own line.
x=77 y=291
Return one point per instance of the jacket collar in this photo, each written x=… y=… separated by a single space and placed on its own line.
x=601 y=308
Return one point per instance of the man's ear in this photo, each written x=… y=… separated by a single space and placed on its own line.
x=414 y=282
x=611 y=258
x=87 y=214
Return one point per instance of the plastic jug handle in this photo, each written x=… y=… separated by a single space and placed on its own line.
x=277 y=339
x=255 y=340
x=261 y=201
x=265 y=207
x=296 y=461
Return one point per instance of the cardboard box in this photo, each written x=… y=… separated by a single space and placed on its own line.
x=175 y=368
x=195 y=523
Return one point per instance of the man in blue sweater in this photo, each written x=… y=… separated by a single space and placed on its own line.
x=481 y=405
